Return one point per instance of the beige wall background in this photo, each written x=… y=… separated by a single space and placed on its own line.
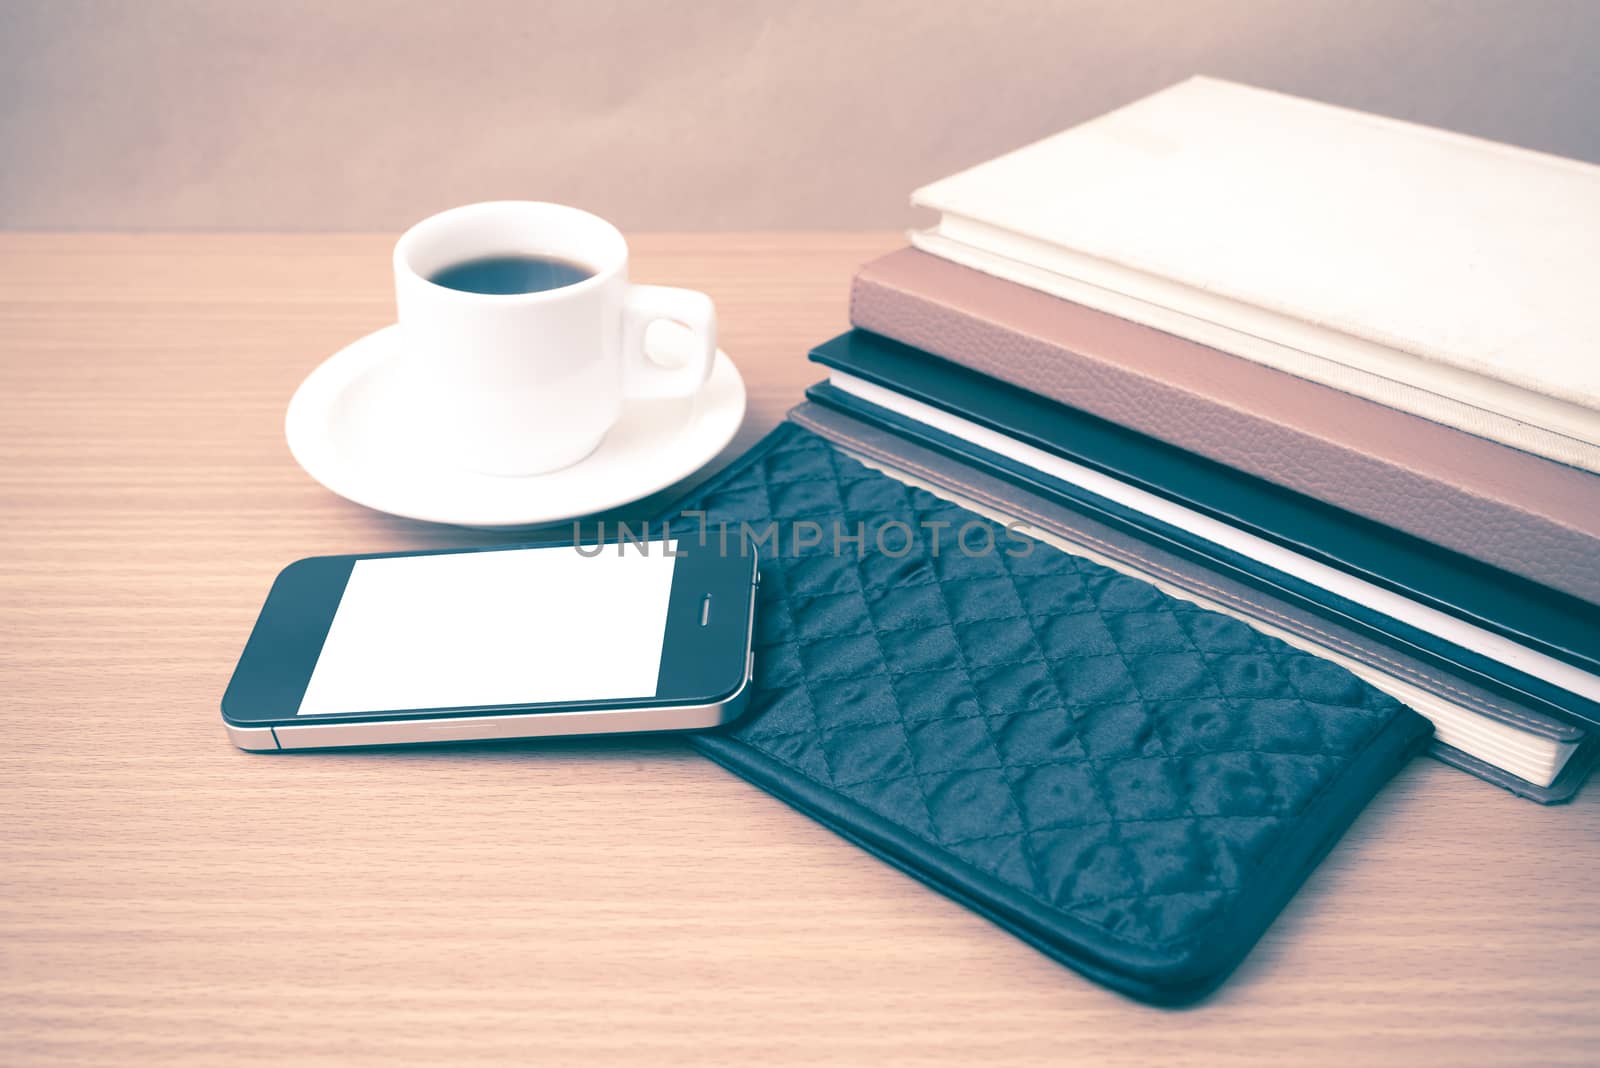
x=368 y=114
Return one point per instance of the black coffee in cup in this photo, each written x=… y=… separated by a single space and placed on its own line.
x=510 y=274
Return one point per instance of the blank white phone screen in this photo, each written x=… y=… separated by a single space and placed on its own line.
x=507 y=627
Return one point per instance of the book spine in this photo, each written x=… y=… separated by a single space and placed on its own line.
x=1508 y=509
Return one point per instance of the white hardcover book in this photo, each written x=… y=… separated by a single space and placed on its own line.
x=1450 y=277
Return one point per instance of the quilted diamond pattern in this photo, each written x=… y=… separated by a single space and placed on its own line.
x=1071 y=735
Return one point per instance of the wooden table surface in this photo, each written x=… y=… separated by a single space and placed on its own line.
x=169 y=899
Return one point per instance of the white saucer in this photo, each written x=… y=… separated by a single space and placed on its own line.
x=353 y=430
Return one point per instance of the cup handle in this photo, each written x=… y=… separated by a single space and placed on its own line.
x=645 y=377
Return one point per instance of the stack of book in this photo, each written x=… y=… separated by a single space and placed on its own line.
x=1329 y=373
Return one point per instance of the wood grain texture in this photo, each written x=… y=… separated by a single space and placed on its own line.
x=169 y=899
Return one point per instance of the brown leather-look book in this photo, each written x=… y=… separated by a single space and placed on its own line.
x=1513 y=510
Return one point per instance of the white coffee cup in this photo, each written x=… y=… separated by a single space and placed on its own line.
x=523 y=383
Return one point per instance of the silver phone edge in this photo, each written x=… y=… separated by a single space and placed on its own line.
x=489 y=728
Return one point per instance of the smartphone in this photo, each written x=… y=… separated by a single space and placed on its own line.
x=536 y=640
